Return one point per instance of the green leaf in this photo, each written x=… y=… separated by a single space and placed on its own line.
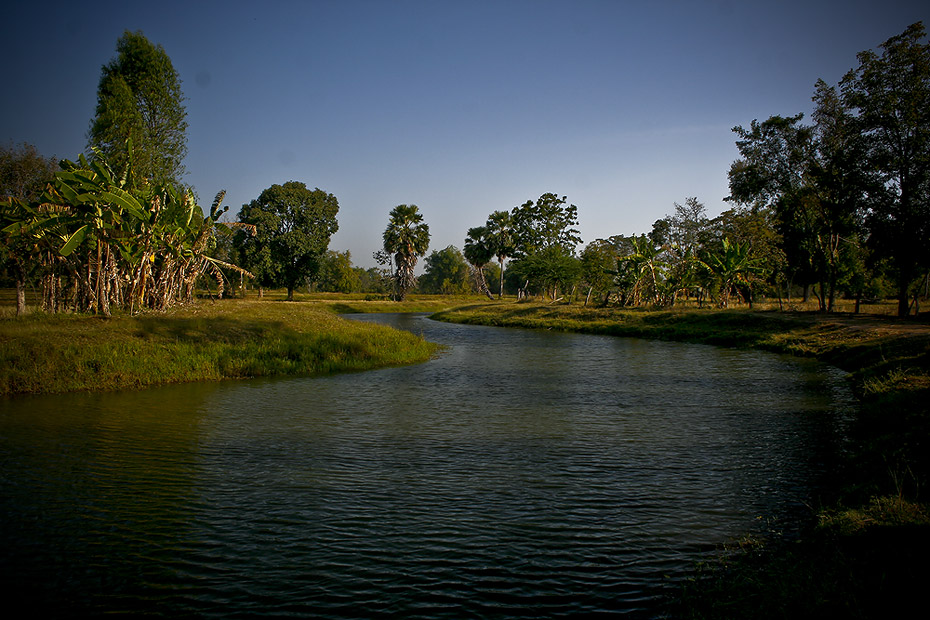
x=74 y=241
x=125 y=200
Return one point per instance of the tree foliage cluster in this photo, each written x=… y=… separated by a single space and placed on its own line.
x=850 y=192
x=287 y=234
x=140 y=102
x=406 y=239
x=841 y=204
x=98 y=240
x=119 y=229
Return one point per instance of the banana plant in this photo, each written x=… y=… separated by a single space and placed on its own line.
x=733 y=267
x=118 y=241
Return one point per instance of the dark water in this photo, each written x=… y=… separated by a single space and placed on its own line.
x=520 y=474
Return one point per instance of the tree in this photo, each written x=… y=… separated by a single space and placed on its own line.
x=890 y=94
x=753 y=228
x=406 y=238
x=501 y=239
x=544 y=232
x=292 y=227
x=478 y=252
x=599 y=268
x=550 y=269
x=337 y=275
x=813 y=179
x=681 y=236
x=24 y=173
x=545 y=223
x=446 y=272
x=140 y=103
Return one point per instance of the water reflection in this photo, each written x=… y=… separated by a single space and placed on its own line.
x=520 y=473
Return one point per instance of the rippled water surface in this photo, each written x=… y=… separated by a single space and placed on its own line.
x=521 y=473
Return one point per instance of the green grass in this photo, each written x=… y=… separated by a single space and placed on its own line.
x=231 y=339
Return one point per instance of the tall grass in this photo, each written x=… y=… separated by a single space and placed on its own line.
x=209 y=341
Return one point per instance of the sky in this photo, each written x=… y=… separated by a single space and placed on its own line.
x=460 y=107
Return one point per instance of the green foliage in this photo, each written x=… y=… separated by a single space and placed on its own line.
x=890 y=94
x=546 y=223
x=599 y=267
x=406 y=239
x=290 y=231
x=337 y=275
x=479 y=252
x=446 y=273
x=24 y=174
x=140 y=103
x=549 y=270
x=733 y=269
x=112 y=242
x=502 y=240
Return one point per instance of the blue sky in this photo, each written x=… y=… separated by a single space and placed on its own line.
x=460 y=107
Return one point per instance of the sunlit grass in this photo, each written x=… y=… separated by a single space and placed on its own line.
x=208 y=341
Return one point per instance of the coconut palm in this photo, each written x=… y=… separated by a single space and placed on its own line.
x=407 y=239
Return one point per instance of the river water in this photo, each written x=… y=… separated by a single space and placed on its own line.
x=518 y=474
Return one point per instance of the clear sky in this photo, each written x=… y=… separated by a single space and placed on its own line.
x=460 y=107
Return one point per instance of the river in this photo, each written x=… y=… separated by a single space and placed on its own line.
x=519 y=474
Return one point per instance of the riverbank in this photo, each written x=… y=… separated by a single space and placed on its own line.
x=208 y=341
x=863 y=553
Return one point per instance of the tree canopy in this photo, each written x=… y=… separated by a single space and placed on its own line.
x=292 y=228
x=890 y=93
x=140 y=118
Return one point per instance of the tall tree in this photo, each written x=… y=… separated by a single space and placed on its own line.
x=406 y=238
x=292 y=226
x=547 y=222
x=140 y=118
x=478 y=252
x=545 y=238
x=501 y=239
x=891 y=94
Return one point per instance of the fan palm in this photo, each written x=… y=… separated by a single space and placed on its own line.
x=407 y=239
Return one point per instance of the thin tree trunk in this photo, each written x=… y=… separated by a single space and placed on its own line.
x=20 y=296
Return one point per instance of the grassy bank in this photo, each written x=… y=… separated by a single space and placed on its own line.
x=209 y=341
x=883 y=353
x=863 y=554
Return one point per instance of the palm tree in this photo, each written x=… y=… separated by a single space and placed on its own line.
x=479 y=253
x=407 y=239
x=501 y=239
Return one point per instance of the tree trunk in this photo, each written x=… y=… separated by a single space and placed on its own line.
x=904 y=303
x=20 y=296
x=501 y=293
x=290 y=293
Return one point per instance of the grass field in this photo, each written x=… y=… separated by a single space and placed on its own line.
x=229 y=339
